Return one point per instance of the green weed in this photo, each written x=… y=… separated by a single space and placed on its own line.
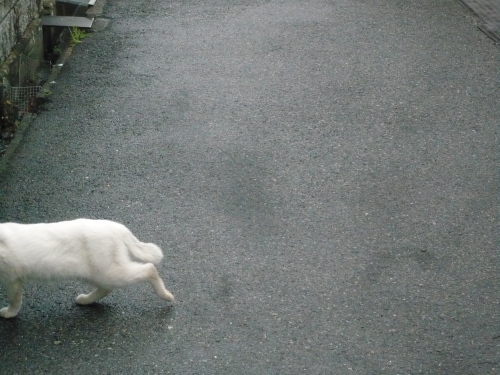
x=77 y=35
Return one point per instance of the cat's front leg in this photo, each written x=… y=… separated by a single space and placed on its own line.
x=15 y=299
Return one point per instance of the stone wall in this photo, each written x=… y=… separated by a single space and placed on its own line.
x=15 y=16
x=21 y=53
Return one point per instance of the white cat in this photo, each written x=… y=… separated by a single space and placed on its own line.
x=95 y=251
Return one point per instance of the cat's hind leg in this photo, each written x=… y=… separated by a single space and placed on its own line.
x=136 y=272
x=159 y=286
x=86 y=299
x=15 y=299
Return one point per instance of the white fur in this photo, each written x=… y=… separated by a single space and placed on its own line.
x=98 y=252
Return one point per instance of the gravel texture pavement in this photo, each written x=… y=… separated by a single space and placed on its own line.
x=322 y=175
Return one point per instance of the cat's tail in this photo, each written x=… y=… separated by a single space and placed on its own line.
x=146 y=252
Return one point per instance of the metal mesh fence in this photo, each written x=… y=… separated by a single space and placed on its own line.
x=27 y=70
x=21 y=98
x=32 y=71
x=17 y=100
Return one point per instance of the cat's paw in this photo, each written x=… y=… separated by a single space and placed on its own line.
x=6 y=313
x=83 y=299
x=169 y=296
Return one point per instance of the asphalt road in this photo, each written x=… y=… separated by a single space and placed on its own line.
x=323 y=176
